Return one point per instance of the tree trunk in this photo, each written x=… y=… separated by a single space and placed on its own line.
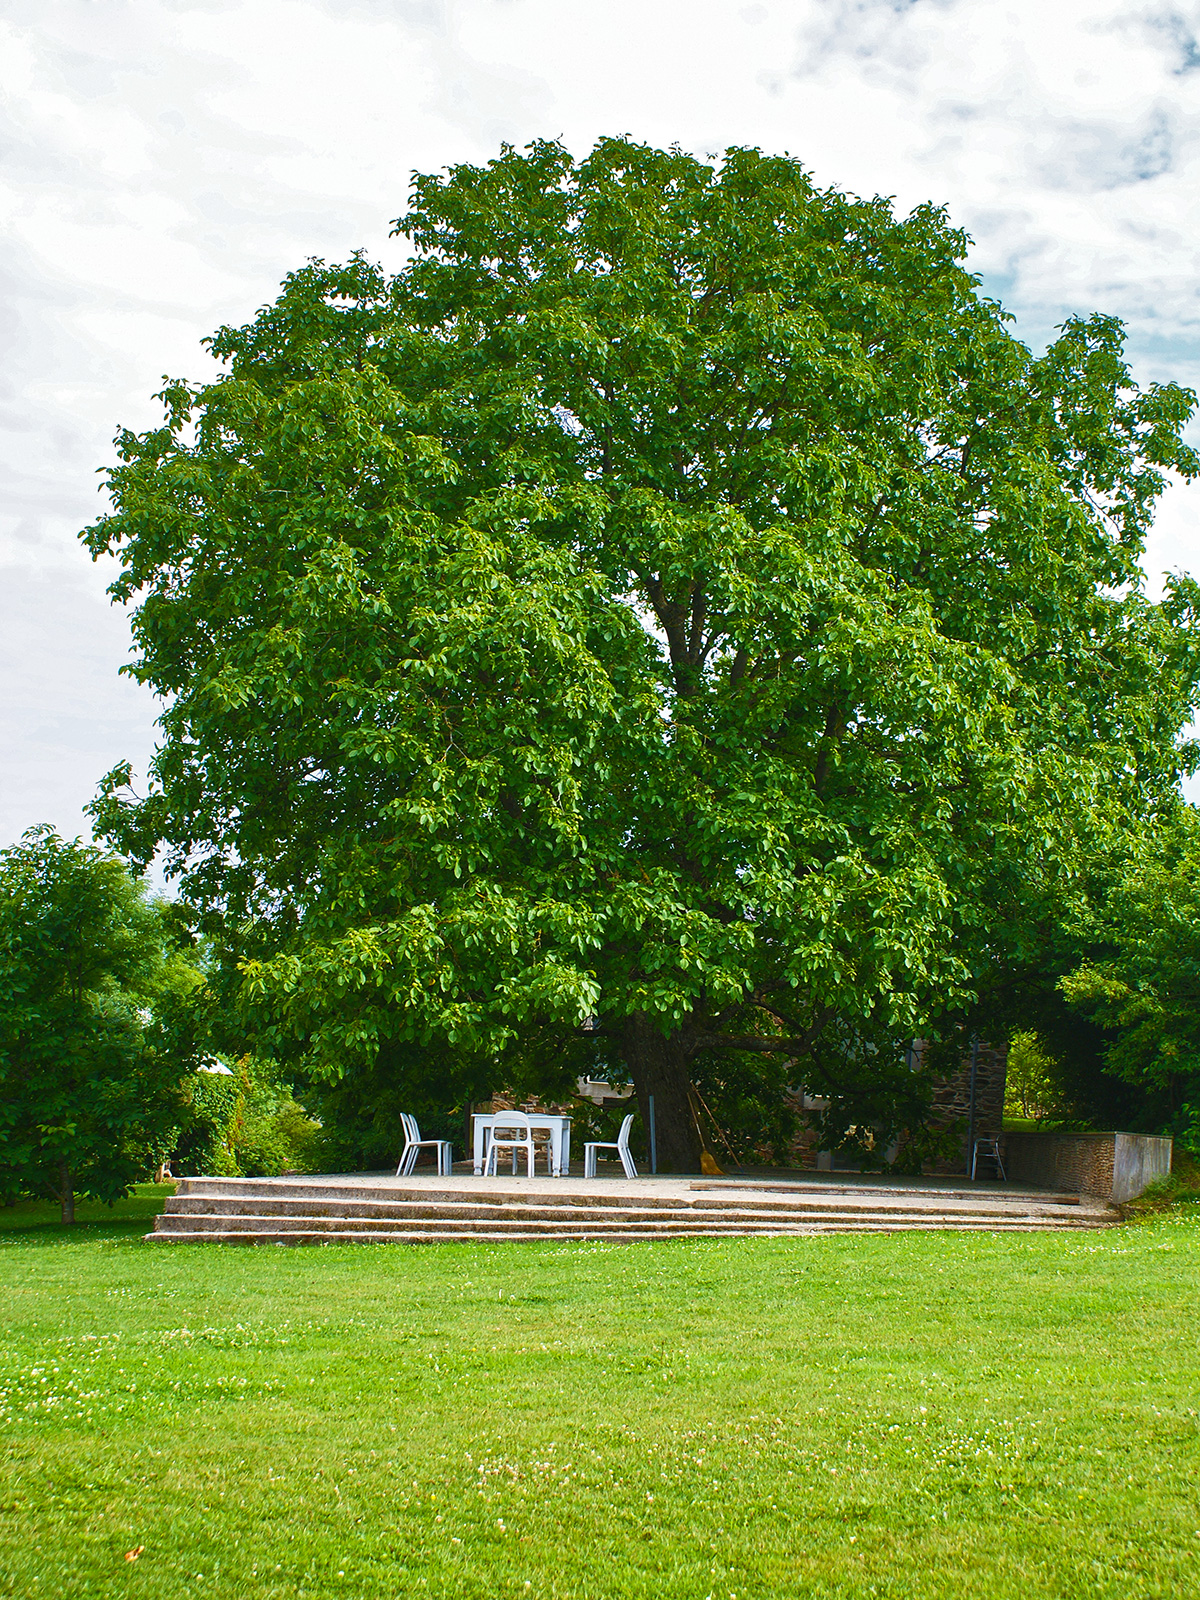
x=658 y=1065
x=66 y=1192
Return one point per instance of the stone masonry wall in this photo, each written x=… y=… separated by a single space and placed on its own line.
x=1113 y=1166
x=1077 y=1163
x=952 y=1103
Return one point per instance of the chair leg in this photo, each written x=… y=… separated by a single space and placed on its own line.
x=589 y=1163
x=627 y=1163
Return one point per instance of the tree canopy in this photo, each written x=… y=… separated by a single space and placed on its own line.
x=672 y=613
x=88 y=1073
x=1142 y=983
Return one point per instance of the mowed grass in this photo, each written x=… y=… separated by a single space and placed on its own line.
x=916 y=1415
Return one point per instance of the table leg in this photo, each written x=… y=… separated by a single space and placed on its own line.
x=477 y=1146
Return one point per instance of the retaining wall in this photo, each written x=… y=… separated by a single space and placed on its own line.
x=1113 y=1166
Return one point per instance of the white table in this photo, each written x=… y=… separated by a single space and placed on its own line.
x=559 y=1129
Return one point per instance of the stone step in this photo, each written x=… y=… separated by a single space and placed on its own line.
x=580 y=1210
x=616 y=1236
x=782 y=1197
x=910 y=1191
x=516 y=1226
x=427 y=1210
x=175 y=1225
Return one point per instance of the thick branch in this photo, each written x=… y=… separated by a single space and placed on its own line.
x=699 y=612
x=767 y=1044
x=835 y=726
x=772 y=1044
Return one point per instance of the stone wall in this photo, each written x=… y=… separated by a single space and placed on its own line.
x=952 y=1104
x=951 y=1107
x=1112 y=1166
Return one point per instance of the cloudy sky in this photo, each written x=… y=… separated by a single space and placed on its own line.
x=167 y=161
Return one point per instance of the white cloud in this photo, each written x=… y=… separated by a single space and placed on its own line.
x=167 y=161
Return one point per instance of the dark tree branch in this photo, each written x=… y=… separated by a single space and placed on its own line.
x=770 y=1044
x=699 y=614
x=835 y=726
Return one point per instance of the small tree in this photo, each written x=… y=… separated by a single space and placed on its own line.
x=1029 y=1086
x=88 y=1073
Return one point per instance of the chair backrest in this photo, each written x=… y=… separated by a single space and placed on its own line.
x=623 y=1136
x=510 y=1121
x=412 y=1133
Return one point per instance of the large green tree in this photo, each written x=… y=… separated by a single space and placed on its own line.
x=91 y=974
x=674 y=612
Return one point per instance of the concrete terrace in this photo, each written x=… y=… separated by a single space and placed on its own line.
x=426 y=1209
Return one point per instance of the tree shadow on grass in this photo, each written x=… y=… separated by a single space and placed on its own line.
x=126 y=1231
x=38 y=1220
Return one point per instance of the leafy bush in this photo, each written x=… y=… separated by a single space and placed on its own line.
x=925 y=1146
x=245 y=1125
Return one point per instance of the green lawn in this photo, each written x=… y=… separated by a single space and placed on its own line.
x=921 y=1415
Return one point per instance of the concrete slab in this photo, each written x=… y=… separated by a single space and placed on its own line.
x=776 y=1187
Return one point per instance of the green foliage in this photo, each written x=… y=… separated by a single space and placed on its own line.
x=922 y=1146
x=877 y=1097
x=1060 y=1077
x=92 y=979
x=1030 y=1087
x=360 y=1111
x=247 y=1124
x=744 y=1113
x=675 y=598
x=1143 y=985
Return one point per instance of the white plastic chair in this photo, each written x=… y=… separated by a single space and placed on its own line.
x=413 y=1142
x=621 y=1147
x=510 y=1131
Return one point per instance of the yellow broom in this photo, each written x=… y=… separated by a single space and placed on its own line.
x=708 y=1161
